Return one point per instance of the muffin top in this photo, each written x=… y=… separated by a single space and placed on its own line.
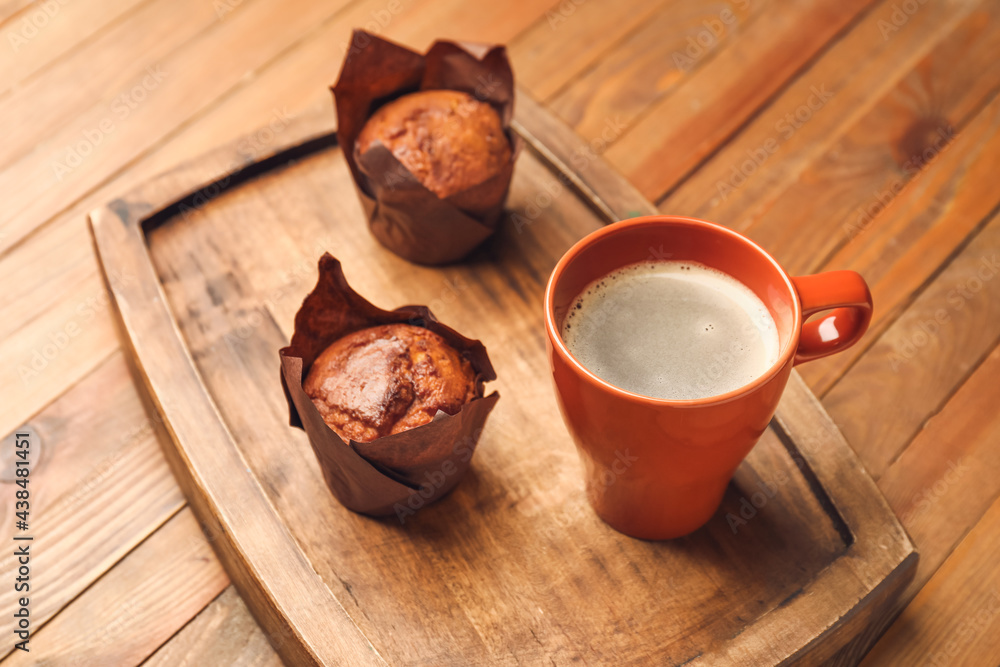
x=446 y=138
x=386 y=379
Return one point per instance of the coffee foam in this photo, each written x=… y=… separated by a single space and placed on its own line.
x=671 y=330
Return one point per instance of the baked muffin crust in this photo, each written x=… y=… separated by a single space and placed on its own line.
x=447 y=139
x=386 y=379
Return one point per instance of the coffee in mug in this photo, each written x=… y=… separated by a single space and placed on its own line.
x=627 y=335
x=673 y=330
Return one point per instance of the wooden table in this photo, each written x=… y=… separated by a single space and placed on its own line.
x=851 y=134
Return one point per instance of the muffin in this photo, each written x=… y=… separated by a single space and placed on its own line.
x=428 y=141
x=447 y=139
x=392 y=400
x=386 y=379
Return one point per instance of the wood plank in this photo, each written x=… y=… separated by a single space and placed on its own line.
x=900 y=248
x=170 y=95
x=946 y=479
x=955 y=619
x=453 y=19
x=842 y=86
x=651 y=64
x=101 y=511
x=679 y=132
x=583 y=170
x=41 y=33
x=903 y=131
x=53 y=101
x=65 y=458
x=130 y=611
x=55 y=328
x=223 y=633
x=916 y=365
x=573 y=37
x=70 y=450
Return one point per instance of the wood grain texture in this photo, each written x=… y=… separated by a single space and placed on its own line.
x=744 y=179
x=87 y=516
x=948 y=476
x=738 y=77
x=162 y=88
x=900 y=245
x=940 y=487
x=52 y=101
x=803 y=420
x=43 y=33
x=135 y=607
x=653 y=62
x=455 y=20
x=924 y=356
x=899 y=136
x=955 y=619
x=571 y=38
x=224 y=633
x=59 y=328
x=230 y=319
x=66 y=428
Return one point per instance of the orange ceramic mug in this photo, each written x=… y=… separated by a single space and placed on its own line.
x=657 y=468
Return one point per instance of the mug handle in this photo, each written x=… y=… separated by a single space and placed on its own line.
x=847 y=294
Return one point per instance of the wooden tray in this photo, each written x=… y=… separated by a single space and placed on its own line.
x=512 y=567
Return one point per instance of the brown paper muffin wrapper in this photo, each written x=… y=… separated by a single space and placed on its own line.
x=403 y=215
x=395 y=474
